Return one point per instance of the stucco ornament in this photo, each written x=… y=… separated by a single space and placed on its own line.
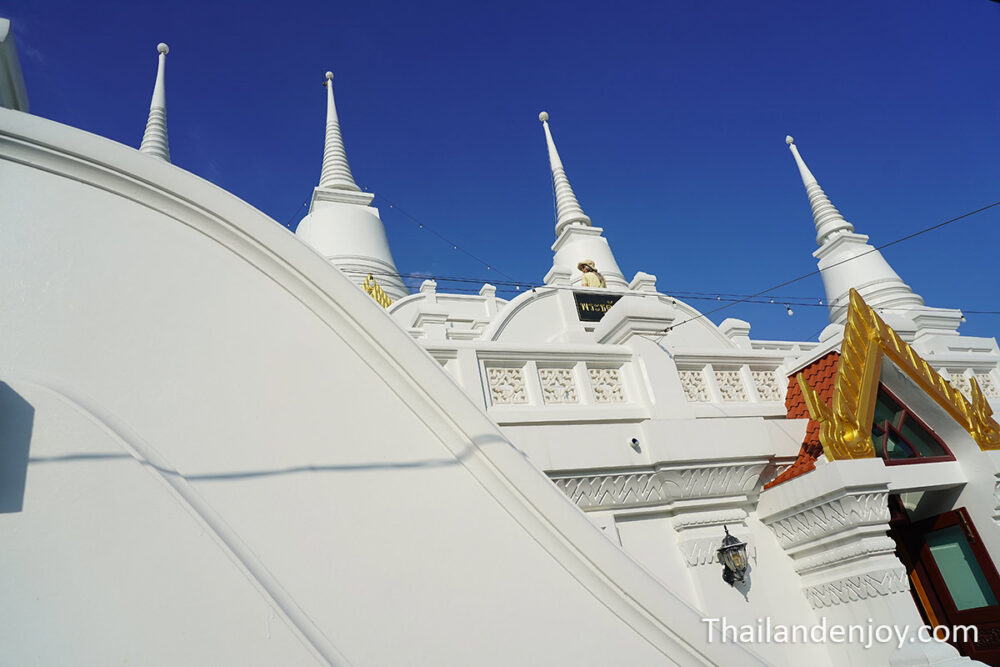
x=845 y=425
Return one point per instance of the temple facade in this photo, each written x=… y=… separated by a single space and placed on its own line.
x=577 y=475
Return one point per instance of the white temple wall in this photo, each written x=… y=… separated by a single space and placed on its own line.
x=377 y=513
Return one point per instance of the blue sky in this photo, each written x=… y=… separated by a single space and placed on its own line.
x=670 y=118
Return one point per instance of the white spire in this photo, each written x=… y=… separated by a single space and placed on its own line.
x=568 y=209
x=154 y=139
x=827 y=218
x=847 y=260
x=336 y=172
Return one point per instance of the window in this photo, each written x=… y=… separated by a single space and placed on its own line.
x=954 y=581
x=900 y=437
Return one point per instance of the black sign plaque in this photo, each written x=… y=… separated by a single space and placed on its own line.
x=591 y=306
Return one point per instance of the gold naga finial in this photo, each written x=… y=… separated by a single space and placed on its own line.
x=376 y=292
x=845 y=424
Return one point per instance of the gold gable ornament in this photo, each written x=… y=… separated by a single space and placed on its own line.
x=376 y=292
x=845 y=425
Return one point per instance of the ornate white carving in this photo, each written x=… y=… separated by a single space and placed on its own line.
x=959 y=381
x=507 y=385
x=705 y=550
x=607 y=385
x=558 y=385
x=870 y=546
x=987 y=384
x=767 y=385
x=712 y=482
x=730 y=385
x=715 y=518
x=693 y=383
x=831 y=517
x=661 y=486
x=859 y=587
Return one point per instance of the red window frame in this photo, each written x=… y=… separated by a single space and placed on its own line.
x=906 y=415
x=930 y=592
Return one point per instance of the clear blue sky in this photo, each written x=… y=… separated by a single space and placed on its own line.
x=670 y=118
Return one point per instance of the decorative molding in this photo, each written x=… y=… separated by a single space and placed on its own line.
x=867 y=547
x=607 y=385
x=693 y=383
x=767 y=385
x=558 y=385
x=860 y=587
x=987 y=385
x=715 y=518
x=845 y=425
x=507 y=385
x=960 y=381
x=831 y=517
x=705 y=550
x=657 y=487
x=731 y=387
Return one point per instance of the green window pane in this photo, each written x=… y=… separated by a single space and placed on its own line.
x=886 y=409
x=896 y=448
x=961 y=572
x=921 y=439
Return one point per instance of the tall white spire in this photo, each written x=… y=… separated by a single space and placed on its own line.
x=342 y=224
x=154 y=139
x=577 y=240
x=568 y=210
x=827 y=218
x=336 y=172
x=847 y=260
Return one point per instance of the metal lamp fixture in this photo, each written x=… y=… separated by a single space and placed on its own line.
x=733 y=556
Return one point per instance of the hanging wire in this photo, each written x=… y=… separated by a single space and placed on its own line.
x=729 y=299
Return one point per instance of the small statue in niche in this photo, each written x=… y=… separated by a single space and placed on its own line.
x=591 y=276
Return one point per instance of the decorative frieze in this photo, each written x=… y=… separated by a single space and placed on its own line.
x=506 y=385
x=731 y=386
x=558 y=385
x=831 y=517
x=960 y=381
x=705 y=550
x=702 y=519
x=859 y=587
x=605 y=491
x=865 y=548
x=987 y=385
x=693 y=383
x=607 y=385
x=767 y=385
x=654 y=487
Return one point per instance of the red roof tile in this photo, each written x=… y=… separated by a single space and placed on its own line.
x=821 y=376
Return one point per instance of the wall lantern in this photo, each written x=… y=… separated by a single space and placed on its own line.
x=733 y=556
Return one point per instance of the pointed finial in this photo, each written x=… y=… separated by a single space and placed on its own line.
x=154 y=139
x=336 y=172
x=826 y=217
x=568 y=210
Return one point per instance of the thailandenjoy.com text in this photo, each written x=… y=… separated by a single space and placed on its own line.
x=864 y=634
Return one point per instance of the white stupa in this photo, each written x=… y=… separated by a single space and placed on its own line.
x=341 y=223
x=577 y=239
x=847 y=260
